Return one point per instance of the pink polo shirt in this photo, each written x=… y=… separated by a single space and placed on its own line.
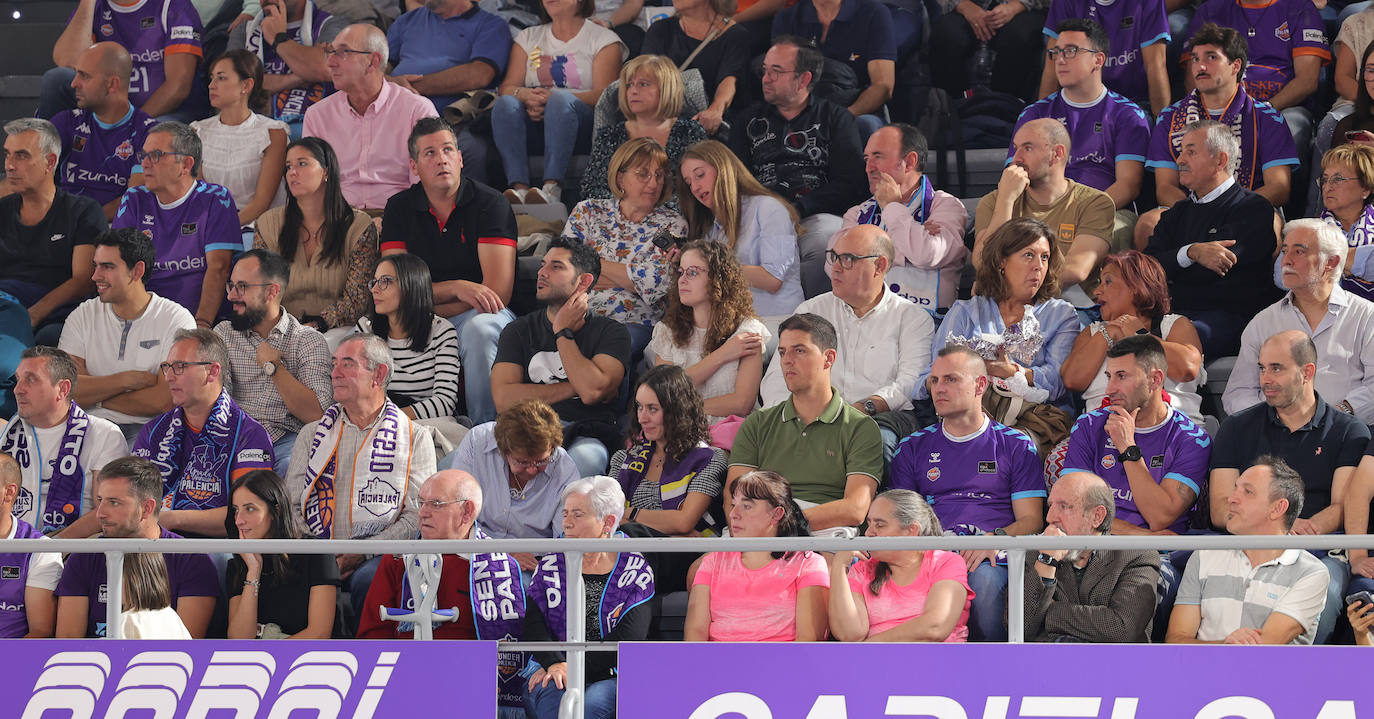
x=758 y=605
x=373 y=161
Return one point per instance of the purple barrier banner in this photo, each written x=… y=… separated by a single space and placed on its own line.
x=992 y=681
x=111 y=679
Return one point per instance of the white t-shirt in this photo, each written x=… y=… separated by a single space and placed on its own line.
x=44 y=569
x=723 y=381
x=104 y=442
x=162 y=623
x=564 y=65
x=233 y=155
x=110 y=345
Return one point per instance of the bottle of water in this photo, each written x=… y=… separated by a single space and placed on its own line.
x=980 y=77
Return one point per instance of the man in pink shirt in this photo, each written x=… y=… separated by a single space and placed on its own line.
x=368 y=120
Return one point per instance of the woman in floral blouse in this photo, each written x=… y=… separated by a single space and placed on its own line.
x=634 y=272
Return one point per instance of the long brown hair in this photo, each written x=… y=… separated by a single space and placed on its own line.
x=684 y=414
x=728 y=293
x=733 y=183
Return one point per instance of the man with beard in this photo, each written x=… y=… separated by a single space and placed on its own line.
x=1102 y=596
x=1296 y=425
x=568 y=357
x=1034 y=185
x=127 y=499
x=278 y=367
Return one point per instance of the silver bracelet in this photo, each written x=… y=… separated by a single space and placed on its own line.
x=1101 y=329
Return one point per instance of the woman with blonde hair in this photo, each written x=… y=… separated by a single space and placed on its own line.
x=722 y=202
x=1347 y=195
x=148 y=612
x=650 y=98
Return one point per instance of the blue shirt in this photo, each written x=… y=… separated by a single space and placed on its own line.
x=860 y=33
x=421 y=42
x=531 y=513
x=767 y=238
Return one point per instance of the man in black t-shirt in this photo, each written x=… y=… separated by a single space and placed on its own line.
x=47 y=236
x=465 y=231
x=568 y=357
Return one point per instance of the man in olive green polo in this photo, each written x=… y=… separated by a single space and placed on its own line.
x=830 y=452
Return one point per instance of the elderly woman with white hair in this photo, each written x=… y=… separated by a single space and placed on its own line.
x=900 y=595
x=616 y=589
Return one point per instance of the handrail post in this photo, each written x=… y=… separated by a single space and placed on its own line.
x=575 y=596
x=1016 y=596
x=114 y=594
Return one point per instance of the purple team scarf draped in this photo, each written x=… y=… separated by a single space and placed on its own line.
x=1360 y=234
x=498 y=611
x=1240 y=116
x=392 y=435
x=63 y=503
x=630 y=584
x=203 y=483
x=871 y=213
x=673 y=479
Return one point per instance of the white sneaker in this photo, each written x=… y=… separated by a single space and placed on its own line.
x=517 y=197
x=550 y=194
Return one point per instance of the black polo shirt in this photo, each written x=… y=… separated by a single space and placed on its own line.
x=480 y=216
x=1331 y=440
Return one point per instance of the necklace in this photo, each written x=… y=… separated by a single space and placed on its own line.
x=518 y=493
x=1251 y=23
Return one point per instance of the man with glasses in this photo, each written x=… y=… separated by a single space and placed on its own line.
x=206 y=442
x=1135 y=38
x=368 y=120
x=805 y=148
x=278 y=367
x=356 y=471
x=193 y=224
x=1108 y=132
x=118 y=338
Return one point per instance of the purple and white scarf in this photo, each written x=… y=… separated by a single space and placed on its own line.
x=63 y=503
x=673 y=480
x=203 y=482
x=871 y=212
x=498 y=612
x=1240 y=116
x=631 y=583
x=377 y=492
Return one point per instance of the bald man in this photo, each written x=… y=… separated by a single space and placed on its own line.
x=1034 y=185
x=102 y=137
x=27 y=605
x=368 y=120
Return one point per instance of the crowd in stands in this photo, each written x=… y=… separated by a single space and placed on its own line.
x=309 y=287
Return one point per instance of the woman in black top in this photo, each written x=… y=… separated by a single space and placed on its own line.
x=722 y=62
x=276 y=596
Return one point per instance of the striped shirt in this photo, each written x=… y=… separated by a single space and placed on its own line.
x=1233 y=594
x=429 y=378
x=304 y=354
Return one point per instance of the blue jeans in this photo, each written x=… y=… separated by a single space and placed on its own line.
x=869 y=124
x=281 y=453
x=815 y=237
x=989 y=584
x=478 y=334
x=566 y=128
x=1335 y=596
x=590 y=456
x=357 y=585
x=55 y=94
x=599 y=703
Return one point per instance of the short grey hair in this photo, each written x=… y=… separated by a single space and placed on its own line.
x=604 y=493
x=1100 y=494
x=210 y=347
x=910 y=508
x=1285 y=483
x=375 y=351
x=1331 y=240
x=1219 y=140
x=49 y=142
x=185 y=141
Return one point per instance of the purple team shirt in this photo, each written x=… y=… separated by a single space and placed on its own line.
x=1175 y=449
x=1131 y=26
x=98 y=158
x=1109 y=131
x=1265 y=140
x=971 y=482
x=190 y=575
x=150 y=30
x=182 y=234
x=1274 y=35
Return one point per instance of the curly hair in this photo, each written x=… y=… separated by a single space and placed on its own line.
x=728 y=294
x=684 y=411
x=529 y=427
x=1013 y=236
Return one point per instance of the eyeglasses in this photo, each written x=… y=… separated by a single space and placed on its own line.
x=435 y=505
x=846 y=260
x=1325 y=180
x=177 y=368
x=771 y=73
x=1068 y=51
x=642 y=84
x=691 y=273
x=381 y=283
x=1368 y=72
x=331 y=51
x=242 y=287
x=155 y=156
x=644 y=175
x=525 y=465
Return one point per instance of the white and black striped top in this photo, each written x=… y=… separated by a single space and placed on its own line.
x=429 y=376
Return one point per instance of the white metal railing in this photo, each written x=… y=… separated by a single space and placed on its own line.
x=576 y=645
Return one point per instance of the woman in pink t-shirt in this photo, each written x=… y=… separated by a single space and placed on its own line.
x=900 y=595
x=760 y=596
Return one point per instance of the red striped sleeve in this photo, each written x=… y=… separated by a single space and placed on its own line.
x=508 y=242
x=393 y=245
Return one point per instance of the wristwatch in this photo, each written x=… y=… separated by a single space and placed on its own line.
x=1047 y=560
x=278 y=39
x=269 y=368
x=566 y=332
x=1131 y=454
x=870 y=407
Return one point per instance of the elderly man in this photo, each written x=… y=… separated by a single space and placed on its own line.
x=981 y=477
x=1217 y=247
x=1102 y=596
x=27 y=605
x=192 y=223
x=128 y=497
x=355 y=472
x=206 y=442
x=47 y=236
x=1254 y=596
x=53 y=493
x=368 y=120
x=1295 y=424
x=279 y=368
x=926 y=225
x=1034 y=185
x=1341 y=324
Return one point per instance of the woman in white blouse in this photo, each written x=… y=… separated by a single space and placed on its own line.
x=240 y=149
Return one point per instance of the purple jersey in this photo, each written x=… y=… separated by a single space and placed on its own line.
x=1175 y=449
x=149 y=30
x=97 y=159
x=1131 y=25
x=203 y=221
x=290 y=104
x=1109 y=131
x=1264 y=138
x=190 y=575
x=970 y=482
x=1275 y=34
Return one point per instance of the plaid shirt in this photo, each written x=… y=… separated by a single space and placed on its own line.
x=305 y=355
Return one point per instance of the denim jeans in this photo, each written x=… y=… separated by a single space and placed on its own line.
x=989 y=584
x=815 y=237
x=478 y=334
x=599 y=702
x=566 y=128
x=55 y=93
x=281 y=453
